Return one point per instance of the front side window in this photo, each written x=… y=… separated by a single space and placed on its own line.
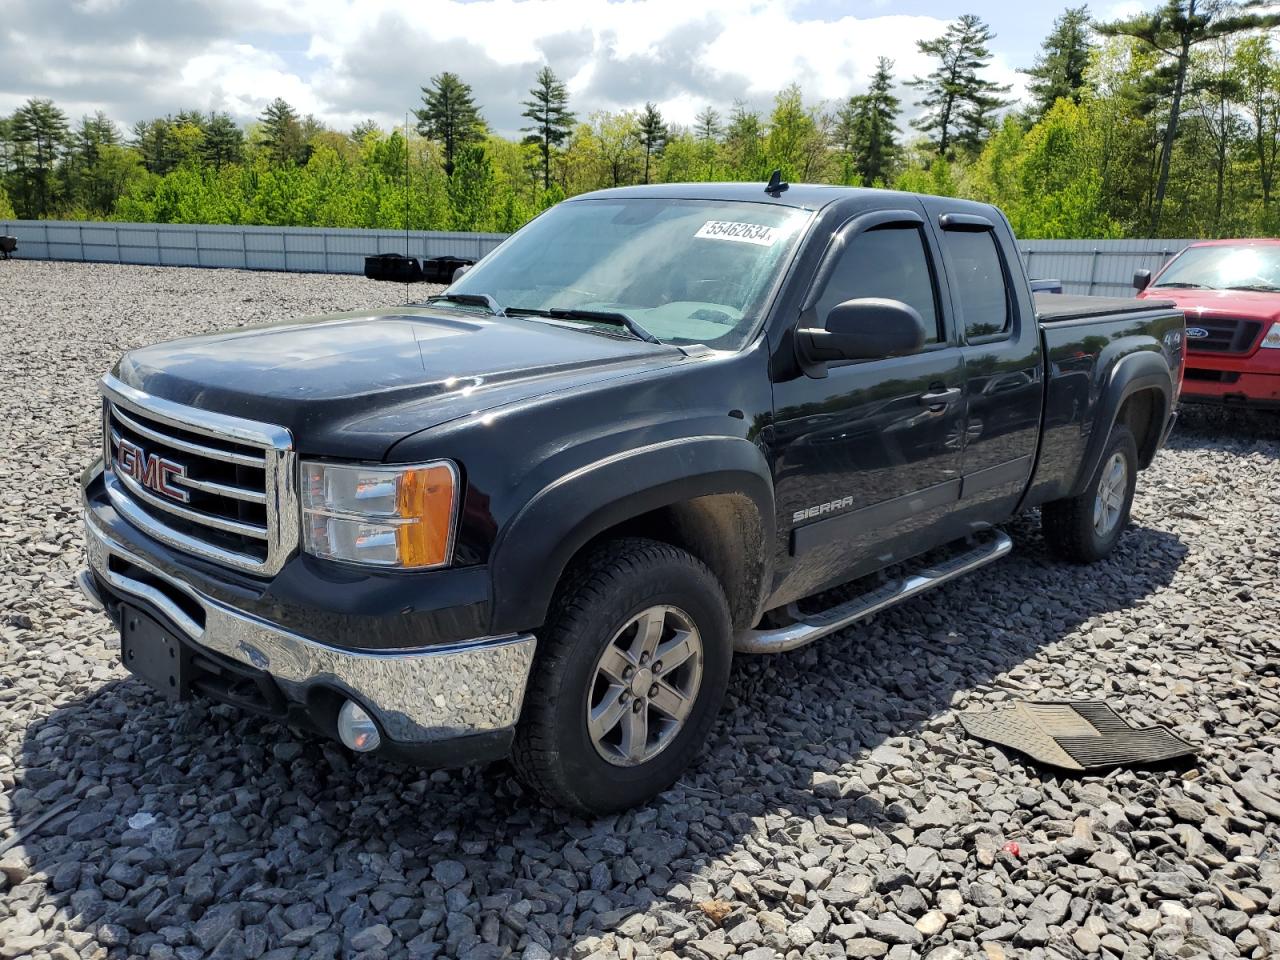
x=888 y=262
x=687 y=271
x=977 y=275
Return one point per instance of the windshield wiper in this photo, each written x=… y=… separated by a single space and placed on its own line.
x=471 y=300
x=1260 y=287
x=604 y=316
x=615 y=317
x=1187 y=284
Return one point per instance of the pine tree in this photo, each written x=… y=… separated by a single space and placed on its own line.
x=1174 y=30
x=363 y=130
x=959 y=104
x=281 y=134
x=40 y=135
x=868 y=127
x=743 y=144
x=551 y=119
x=653 y=134
x=706 y=125
x=1059 y=71
x=449 y=116
x=223 y=141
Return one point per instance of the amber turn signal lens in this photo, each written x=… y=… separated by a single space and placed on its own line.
x=425 y=497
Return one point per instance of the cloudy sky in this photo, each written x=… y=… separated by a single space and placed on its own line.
x=346 y=60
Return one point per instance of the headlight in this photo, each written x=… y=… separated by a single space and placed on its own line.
x=398 y=516
x=1272 y=340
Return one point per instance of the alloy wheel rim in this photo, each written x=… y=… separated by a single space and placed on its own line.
x=644 y=686
x=1109 y=503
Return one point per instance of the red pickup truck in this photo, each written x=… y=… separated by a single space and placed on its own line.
x=1230 y=292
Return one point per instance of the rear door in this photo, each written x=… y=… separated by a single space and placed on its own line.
x=1000 y=342
x=867 y=459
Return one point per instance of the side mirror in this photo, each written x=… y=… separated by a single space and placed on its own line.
x=1141 y=279
x=868 y=328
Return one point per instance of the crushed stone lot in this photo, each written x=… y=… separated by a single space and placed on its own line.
x=839 y=810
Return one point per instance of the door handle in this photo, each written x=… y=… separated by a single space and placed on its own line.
x=940 y=398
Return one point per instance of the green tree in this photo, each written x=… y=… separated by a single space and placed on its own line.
x=744 y=144
x=280 y=134
x=363 y=130
x=614 y=144
x=1257 y=73
x=223 y=141
x=6 y=208
x=40 y=135
x=449 y=116
x=550 y=118
x=471 y=190
x=1173 y=31
x=652 y=133
x=959 y=103
x=706 y=125
x=1059 y=70
x=869 y=126
x=796 y=142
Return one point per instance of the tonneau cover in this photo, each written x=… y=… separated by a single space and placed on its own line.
x=1051 y=307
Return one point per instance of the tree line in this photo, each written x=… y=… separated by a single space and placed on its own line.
x=1165 y=123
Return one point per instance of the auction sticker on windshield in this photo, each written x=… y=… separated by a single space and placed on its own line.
x=739 y=232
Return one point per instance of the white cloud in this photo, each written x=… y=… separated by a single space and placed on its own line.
x=344 y=60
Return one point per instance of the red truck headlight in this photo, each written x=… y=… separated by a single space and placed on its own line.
x=386 y=516
x=1272 y=340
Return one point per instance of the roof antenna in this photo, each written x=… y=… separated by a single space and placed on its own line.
x=776 y=184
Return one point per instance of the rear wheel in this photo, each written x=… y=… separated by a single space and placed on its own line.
x=1086 y=528
x=629 y=676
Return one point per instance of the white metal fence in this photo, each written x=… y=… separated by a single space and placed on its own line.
x=1085 y=266
x=1098 y=267
x=293 y=249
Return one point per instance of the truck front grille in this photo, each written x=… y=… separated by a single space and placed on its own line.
x=215 y=486
x=1223 y=334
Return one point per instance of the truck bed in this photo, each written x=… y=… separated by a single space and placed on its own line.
x=1056 y=307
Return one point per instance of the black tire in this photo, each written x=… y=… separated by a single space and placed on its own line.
x=554 y=753
x=1068 y=524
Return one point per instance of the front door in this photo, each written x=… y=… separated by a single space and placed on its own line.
x=867 y=459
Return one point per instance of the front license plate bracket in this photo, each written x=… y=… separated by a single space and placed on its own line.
x=154 y=654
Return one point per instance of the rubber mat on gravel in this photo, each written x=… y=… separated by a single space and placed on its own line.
x=1084 y=735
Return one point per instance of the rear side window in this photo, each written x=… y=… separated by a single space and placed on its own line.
x=888 y=262
x=978 y=278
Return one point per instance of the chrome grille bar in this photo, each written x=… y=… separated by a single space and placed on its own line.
x=140 y=492
x=261 y=446
x=186 y=446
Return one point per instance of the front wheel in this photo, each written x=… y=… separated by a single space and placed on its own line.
x=1086 y=528
x=629 y=676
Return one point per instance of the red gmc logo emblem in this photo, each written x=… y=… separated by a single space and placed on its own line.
x=153 y=472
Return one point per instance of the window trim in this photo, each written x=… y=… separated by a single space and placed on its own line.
x=854 y=227
x=972 y=223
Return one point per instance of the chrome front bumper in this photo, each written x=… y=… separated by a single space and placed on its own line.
x=417 y=696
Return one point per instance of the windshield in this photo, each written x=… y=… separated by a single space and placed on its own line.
x=1225 y=268
x=685 y=271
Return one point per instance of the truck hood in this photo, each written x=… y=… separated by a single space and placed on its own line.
x=351 y=385
x=1249 y=304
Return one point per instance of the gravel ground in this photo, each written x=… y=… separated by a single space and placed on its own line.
x=839 y=810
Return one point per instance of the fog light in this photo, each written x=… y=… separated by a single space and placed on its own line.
x=356 y=728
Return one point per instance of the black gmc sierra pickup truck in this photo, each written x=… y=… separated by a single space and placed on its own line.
x=536 y=515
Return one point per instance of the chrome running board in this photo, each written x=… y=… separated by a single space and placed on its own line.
x=810 y=627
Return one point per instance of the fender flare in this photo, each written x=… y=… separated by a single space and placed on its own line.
x=1143 y=370
x=533 y=549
